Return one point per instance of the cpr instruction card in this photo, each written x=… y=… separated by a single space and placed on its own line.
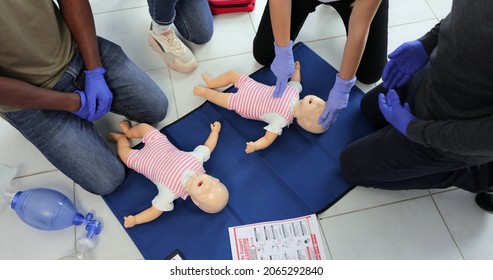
x=290 y=239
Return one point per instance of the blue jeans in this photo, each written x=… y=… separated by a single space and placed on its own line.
x=72 y=144
x=192 y=18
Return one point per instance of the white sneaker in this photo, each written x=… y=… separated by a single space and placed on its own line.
x=178 y=56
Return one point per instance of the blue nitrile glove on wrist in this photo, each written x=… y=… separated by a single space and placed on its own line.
x=404 y=62
x=337 y=100
x=282 y=67
x=83 y=112
x=99 y=96
x=397 y=115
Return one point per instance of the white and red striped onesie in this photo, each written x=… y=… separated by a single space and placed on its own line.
x=165 y=165
x=254 y=101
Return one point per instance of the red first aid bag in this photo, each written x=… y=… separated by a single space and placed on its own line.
x=231 y=6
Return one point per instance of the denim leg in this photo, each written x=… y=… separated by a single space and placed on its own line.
x=135 y=95
x=386 y=159
x=194 y=20
x=73 y=145
x=162 y=11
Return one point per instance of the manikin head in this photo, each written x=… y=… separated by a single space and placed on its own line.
x=307 y=112
x=207 y=192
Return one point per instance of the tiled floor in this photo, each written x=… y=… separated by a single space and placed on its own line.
x=365 y=224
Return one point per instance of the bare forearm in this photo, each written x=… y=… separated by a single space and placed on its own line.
x=359 y=26
x=280 y=14
x=77 y=14
x=19 y=94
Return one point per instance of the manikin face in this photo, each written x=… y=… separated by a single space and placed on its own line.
x=309 y=110
x=207 y=192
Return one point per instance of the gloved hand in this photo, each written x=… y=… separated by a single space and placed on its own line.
x=282 y=67
x=99 y=96
x=337 y=100
x=404 y=62
x=84 y=112
x=397 y=115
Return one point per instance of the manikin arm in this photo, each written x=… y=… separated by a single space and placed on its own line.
x=150 y=214
x=261 y=143
x=213 y=136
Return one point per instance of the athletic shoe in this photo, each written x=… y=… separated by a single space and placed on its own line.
x=176 y=55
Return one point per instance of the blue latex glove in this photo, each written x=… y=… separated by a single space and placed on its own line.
x=99 y=96
x=397 y=115
x=282 y=67
x=337 y=100
x=84 y=112
x=404 y=62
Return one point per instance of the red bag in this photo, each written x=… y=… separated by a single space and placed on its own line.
x=231 y=6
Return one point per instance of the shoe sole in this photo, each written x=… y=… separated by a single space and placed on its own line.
x=484 y=203
x=178 y=68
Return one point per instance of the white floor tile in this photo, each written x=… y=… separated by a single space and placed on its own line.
x=324 y=23
x=17 y=152
x=129 y=29
x=256 y=14
x=233 y=35
x=403 y=33
x=324 y=241
x=99 y=6
x=361 y=198
x=403 y=12
x=162 y=78
x=407 y=230
x=330 y=50
x=471 y=227
x=440 y=7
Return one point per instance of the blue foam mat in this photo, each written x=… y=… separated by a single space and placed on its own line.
x=297 y=175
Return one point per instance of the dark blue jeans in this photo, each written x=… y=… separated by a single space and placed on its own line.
x=72 y=144
x=192 y=18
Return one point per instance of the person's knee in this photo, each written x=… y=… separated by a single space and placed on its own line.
x=155 y=111
x=349 y=168
x=369 y=78
x=262 y=54
x=204 y=37
x=370 y=109
x=104 y=185
x=158 y=113
x=197 y=36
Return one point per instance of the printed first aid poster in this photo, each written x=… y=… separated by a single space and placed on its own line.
x=291 y=239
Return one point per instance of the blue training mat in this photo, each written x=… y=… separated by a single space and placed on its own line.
x=297 y=175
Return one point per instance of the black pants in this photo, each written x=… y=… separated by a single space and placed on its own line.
x=375 y=54
x=387 y=159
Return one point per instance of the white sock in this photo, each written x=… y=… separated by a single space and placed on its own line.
x=159 y=29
